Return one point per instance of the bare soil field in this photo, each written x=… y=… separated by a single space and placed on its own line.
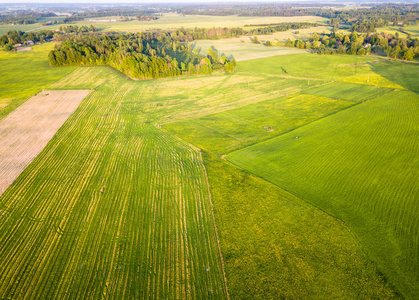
x=24 y=49
x=28 y=129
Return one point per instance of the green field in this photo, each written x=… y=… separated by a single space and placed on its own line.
x=122 y=207
x=239 y=50
x=23 y=74
x=6 y=28
x=366 y=152
x=348 y=91
x=226 y=131
x=359 y=166
x=293 y=177
x=172 y=20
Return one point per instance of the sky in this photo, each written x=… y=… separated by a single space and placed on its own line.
x=141 y=1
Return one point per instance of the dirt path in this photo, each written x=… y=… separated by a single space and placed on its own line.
x=28 y=129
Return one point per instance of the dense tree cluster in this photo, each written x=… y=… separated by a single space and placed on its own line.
x=360 y=44
x=139 y=55
x=77 y=29
x=18 y=37
x=361 y=19
x=22 y=17
x=272 y=28
x=147 y=17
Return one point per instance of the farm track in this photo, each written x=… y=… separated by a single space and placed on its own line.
x=113 y=208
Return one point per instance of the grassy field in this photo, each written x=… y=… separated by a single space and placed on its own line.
x=117 y=206
x=348 y=91
x=6 y=28
x=347 y=68
x=227 y=131
x=24 y=74
x=358 y=165
x=243 y=50
x=172 y=20
x=275 y=246
x=113 y=207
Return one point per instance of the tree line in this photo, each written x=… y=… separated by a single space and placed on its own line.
x=139 y=55
x=390 y=45
x=19 y=37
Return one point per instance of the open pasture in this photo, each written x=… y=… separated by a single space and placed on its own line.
x=227 y=131
x=23 y=74
x=347 y=91
x=276 y=246
x=357 y=165
x=117 y=207
x=27 y=130
x=360 y=166
x=172 y=20
x=113 y=207
x=348 y=68
x=6 y=28
x=239 y=50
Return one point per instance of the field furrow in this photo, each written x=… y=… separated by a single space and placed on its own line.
x=112 y=208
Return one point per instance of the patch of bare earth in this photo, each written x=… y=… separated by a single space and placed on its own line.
x=28 y=129
x=24 y=49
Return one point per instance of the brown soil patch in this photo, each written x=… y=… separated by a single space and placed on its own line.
x=24 y=49
x=28 y=129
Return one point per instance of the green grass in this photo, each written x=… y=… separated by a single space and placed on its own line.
x=275 y=246
x=348 y=91
x=6 y=28
x=304 y=65
x=23 y=74
x=347 y=68
x=239 y=50
x=112 y=208
x=412 y=29
x=150 y=232
x=358 y=165
x=226 y=131
x=172 y=20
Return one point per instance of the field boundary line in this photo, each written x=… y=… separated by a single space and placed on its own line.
x=215 y=225
x=211 y=204
x=338 y=220
x=289 y=92
x=326 y=116
x=291 y=130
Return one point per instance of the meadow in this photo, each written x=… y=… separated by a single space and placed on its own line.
x=173 y=20
x=113 y=207
x=23 y=74
x=357 y=165
x=293 y=177
x=6 y=28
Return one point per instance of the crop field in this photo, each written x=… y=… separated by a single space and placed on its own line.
x=293 y=177
x=27 y=130
x=113 y=207
x=172 y=20
x=23 y=74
